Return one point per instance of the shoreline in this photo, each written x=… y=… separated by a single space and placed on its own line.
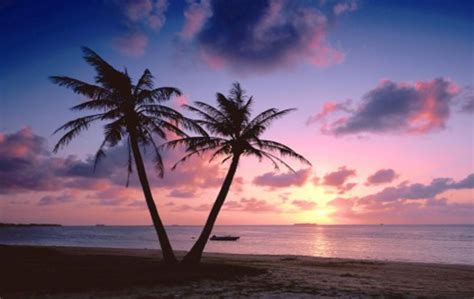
x=58 y=272
x=231 y=254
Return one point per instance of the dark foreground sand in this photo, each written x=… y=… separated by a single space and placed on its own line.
x=67 y=272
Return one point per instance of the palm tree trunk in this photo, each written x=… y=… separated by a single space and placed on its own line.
x=195 y=254
x=166 y=249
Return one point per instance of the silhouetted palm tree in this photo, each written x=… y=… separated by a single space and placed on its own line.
x=232 y=135
x=133 y=113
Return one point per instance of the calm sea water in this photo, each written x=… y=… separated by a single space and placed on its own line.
x=452 y=244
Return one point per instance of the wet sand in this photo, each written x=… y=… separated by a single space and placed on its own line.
x=71 y=272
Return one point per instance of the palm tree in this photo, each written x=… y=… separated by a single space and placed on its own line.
x=133 y=114
x=232 y=135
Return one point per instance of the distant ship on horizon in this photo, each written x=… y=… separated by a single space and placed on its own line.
x=305 y=224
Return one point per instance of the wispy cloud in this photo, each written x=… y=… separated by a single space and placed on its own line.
x=141 y=16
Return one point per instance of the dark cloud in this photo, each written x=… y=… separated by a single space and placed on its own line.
x=382 y=176
x=259 y=35
x=54 y=200
x=26 y=164
x=273 y=180
x=181 y=193
x=466 y=101
x=304 y=205
x=393 y=107
x=420 y=191
x=338 y=179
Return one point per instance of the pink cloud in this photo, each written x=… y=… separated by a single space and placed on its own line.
x=148 y=12
x=143 y=14
x=138 y=9
x=382 y=176
x=55 y=200
x=344 y=7
x=277 y=34
x=133 y=45
x=338 y=179
x=187 y=208
x=328 y=109
x=251 y=205
x=273 y=180
x=305 y=205
x=195 y=15
x=408 y=203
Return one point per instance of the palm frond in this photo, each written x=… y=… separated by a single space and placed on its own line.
x=282 y=150
x=145 y=82
x=75 y=126
x=106 y=75
x=79 y=87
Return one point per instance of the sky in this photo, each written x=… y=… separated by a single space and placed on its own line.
x=383 y=92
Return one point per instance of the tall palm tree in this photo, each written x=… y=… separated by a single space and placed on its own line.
x=232 y=134
x=133 y=112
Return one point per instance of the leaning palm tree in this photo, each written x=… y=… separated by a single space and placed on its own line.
x=232 y=134
x=133 y=112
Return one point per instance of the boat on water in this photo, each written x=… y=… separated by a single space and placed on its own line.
x=224 y=238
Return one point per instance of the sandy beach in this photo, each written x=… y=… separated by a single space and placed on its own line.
x=71 y=272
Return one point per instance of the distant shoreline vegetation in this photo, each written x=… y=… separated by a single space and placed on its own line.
x=27 y=224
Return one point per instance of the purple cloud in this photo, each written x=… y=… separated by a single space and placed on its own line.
x=408 y=203
x=141 y=15
x=26 y=164
x=344 y=7
x=149 y=13
x=181 y=193
x=338 y=179
x=187 y=208
x=250 y=205
x=49 y=200
x=466 y=101
x=420 y=191
x=391 y=107
x=132 y=44
x=426 y=211
x=255 y=36
x=273 y=180
x=328 y=109
x=382 y=176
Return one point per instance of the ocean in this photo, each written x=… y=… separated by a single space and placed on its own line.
x=449 y=244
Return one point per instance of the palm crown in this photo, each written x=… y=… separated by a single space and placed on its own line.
x=131 y=110
x=233 y=132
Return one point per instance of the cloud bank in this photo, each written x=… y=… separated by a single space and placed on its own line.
x=419 y=108
x=260 y=35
